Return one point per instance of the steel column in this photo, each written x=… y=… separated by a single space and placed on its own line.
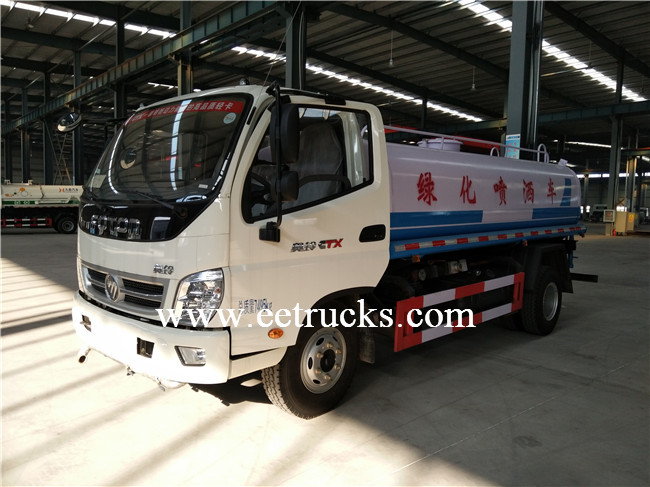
x=525 y=60
x=616 y=137
x=77 y=135
x=185 y=71
x=48 y=151
x=296 y=45
x=8 y=146
x=424 y=112
x=119 y=97
x=25 y=143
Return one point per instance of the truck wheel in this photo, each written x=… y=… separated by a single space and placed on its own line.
x=66 y=224
x=314 y=374
x=541 y=306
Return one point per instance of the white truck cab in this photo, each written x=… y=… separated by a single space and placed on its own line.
x=171 y=220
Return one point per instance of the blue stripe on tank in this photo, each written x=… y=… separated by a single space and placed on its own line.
x=406 y=220
x=407 y=225
x=422 y=223
x=570 y=214
x=434 y=218
x=444 y=230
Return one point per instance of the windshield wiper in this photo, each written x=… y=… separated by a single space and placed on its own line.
x=154 y=198
x=182 y=212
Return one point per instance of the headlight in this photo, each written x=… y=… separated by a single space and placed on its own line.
x=200 y=294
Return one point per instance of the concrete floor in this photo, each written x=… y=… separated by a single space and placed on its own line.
x=482 y=407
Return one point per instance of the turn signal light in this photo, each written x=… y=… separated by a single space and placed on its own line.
x=276 y=333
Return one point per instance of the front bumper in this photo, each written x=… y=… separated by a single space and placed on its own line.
x=117 y=337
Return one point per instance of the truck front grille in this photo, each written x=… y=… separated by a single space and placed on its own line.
x=132 y=291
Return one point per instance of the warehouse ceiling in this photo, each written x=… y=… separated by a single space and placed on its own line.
x=392 y=54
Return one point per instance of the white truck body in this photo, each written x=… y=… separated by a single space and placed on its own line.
x=366 y=219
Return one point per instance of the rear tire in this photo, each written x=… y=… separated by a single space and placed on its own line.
x=541 y=306
x=314 y=374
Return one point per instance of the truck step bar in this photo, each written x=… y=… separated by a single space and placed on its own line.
x=405 y=334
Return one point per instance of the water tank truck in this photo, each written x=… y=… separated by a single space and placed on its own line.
x=247 y=229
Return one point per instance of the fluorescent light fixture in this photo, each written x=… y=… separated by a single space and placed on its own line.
x=86 y=18
x=137 y=28
x=493 y=17
x=587 y=144
x=162 y=33
x=590 y=144
x=59 y=13
x=257 y=53
x=605 y=175
x=318 y=70
x=30 y=7
x=163 y=85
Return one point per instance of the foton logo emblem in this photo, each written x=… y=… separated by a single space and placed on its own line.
x=111 y=226
x=112 y=288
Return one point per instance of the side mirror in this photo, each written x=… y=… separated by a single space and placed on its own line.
x=289 y=136
x=285 y=144
x=69 y=122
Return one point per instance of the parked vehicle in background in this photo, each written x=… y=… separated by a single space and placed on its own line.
x=596 y=212
x=28 y=205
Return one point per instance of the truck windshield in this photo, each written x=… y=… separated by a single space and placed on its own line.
x=175 y=152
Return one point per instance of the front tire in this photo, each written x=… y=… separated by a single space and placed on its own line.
x=541 y=306
x=314 y=374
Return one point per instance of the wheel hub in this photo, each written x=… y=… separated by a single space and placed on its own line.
x=323 y=360
x=550 y=301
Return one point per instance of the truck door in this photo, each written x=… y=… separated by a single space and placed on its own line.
x=333 y=237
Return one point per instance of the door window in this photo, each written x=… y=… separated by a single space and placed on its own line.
x=333 y=160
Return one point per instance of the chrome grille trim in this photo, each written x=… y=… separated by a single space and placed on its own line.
x=139 y=295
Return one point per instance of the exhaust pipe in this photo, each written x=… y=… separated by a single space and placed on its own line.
x=83 y=353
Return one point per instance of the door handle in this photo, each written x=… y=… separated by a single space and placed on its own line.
x=373 y=233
